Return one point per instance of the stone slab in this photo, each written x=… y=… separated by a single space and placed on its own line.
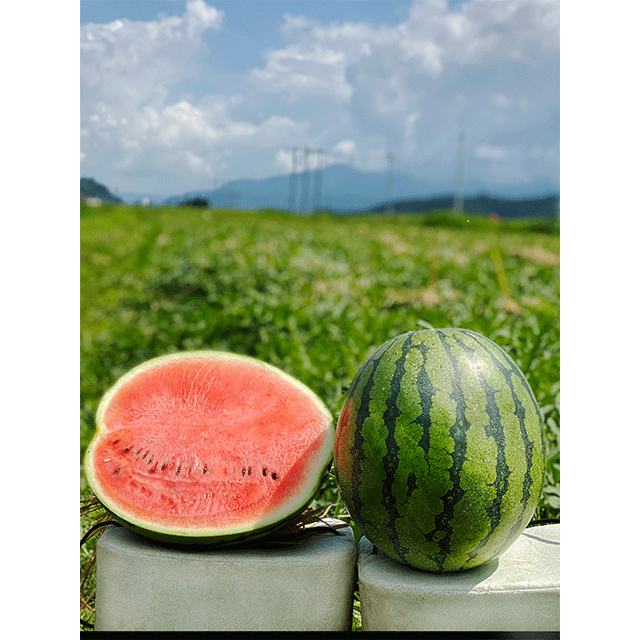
x=142 y=585
x=520 y=591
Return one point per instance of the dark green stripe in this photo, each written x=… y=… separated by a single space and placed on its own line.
x=513 y=370
x=357 y=454
x=426 y=391
x=472 y=346
x=494 y=429
x=390 y=461
x=445 y=520
x=520 y=413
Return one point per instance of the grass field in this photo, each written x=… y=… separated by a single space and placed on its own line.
x=314 y=296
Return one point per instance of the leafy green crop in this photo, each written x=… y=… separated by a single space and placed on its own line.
x=312 y=295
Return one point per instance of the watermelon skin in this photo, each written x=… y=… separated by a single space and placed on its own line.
x=439 y=450
x=208 y=447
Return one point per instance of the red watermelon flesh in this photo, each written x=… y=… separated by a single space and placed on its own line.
x=208 y=446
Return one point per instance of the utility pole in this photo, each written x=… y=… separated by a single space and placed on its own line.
x=293 y=180
x=317 y=182
x=304 y=204
x=458 y=198
x=390 y=159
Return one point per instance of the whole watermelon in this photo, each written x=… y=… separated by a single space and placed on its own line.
x=439 y=450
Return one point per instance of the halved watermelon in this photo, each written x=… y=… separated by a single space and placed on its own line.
x=207 y=447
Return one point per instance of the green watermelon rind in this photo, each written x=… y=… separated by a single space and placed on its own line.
x=403 y=469
x=215 y=537
x=192 y=538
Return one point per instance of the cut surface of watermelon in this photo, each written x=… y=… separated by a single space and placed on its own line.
x=208 y=446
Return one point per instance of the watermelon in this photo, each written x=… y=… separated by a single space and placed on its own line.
x=208 y=447
x=439 y=451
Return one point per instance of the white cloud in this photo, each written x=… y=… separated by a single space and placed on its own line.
x=184 y=121
x=488 y=152
x=305 y=71
x=200 y=13
x=128 y=62
x=410 y=143
x=282 y=161
x=344 y=148
x=489 y=68
x=418 y=84
x=501 y=101
x=128 y=71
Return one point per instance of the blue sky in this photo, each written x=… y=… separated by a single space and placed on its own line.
x=177 y=96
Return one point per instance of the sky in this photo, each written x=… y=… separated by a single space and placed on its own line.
x=180 y=96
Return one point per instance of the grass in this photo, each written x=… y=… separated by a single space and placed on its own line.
x=313 y=295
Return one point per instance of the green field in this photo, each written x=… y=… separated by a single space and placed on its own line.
x=314 y=296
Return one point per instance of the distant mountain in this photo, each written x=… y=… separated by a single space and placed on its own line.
x=337 y=188
x=142 y=197
x=546 y=206
x=89 y=188
x=341 y=188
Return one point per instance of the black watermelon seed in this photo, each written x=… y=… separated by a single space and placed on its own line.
x=116 y=441
x=264 y=471
x=163 y=467
x=116 y=471
x=274 y=475
x=127 y=449
x=205 y=469
x=244 y=471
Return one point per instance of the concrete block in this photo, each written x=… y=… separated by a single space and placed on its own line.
x=520 y=591
x=145 y=586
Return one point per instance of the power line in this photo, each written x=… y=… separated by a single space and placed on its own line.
x=304 y=203
x=458 y=199
x=317 y=180
x=390 y=159
x=293 y=180
x=306 y=179
x=306 y=176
